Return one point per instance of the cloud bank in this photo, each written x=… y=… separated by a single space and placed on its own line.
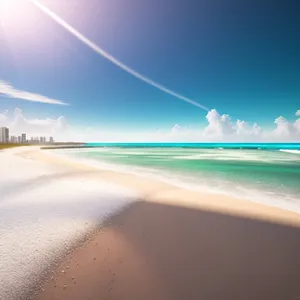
x=9 y=91
x=219 y=128
x=222 y=128
x=19 y=124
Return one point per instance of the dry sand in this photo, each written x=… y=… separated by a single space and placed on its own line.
x=45 y=208
x=158 y=251
x=178 y=244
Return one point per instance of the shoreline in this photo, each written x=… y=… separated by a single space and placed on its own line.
x=86 y=267
x=159 y=196
x=154 y=188
x=221 y=187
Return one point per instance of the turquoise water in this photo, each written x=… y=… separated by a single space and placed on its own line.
x=269 y=146
x=266 y=175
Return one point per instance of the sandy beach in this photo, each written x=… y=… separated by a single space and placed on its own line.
x=158 y=251
x=145 y=239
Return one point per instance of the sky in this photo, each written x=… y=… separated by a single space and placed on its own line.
x=195 y=70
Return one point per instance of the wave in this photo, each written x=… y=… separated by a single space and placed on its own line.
x=203 y=182
x=242 y=155
x=219 y=157
x=255 y=156
x=290 y=151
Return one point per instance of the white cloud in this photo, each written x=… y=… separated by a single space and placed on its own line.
x=176 y=128
x=218 y=126
x=9 y=91
x=297 y=125
x=256 y=130
x=3 y=117
x=18 y=124
x=298 y=113
x=285 y=130
x=243 y=129
x=221 y=127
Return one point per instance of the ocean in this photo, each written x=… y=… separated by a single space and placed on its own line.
x=268 y=173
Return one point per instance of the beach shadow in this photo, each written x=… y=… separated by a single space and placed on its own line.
x=197 y=254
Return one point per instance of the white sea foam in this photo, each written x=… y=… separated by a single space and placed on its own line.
x=290 y=151
x=44 y=210
x=238 y=155
x=203 y=182
x=139 y=153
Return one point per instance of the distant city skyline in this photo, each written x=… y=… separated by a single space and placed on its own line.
x=5 y=137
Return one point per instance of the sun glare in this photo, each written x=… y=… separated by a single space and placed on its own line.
x=13 y=10
x=9 y=7
x=18 y=19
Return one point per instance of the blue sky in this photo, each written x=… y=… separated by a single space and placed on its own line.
x=238 y=57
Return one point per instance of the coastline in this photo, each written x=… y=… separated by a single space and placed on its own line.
x=162 y=211
x=155 y=190
x=270 y=178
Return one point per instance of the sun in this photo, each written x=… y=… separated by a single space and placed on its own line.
x=13 y=9
x=9 y=6
x=17 y=16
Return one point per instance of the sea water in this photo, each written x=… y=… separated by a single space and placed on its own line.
x=266 y=173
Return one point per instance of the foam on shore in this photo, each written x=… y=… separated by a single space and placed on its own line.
x=203 y=183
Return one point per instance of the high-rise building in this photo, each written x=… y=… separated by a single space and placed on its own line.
x=19 y=140
x=13 y=139
x=51 y=140
x=23 y=138
x=42 y=140
x=4 y=135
